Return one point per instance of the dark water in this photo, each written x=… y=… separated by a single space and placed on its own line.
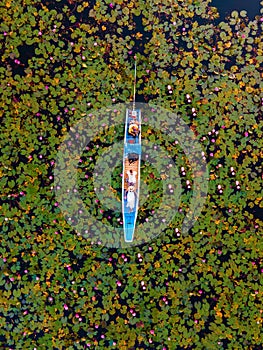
x=225 y=7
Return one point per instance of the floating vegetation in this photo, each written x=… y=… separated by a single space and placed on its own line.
x=60 y=61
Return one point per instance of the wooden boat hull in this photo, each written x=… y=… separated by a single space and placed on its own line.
x=131 y=161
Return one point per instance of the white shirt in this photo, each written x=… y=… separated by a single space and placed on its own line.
x=132 y=177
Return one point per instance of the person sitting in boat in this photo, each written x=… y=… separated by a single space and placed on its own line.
x=132 y=158
x=132 y=177
x=134 y=128
x=131 y=198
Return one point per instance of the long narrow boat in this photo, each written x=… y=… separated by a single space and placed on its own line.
x=131 y=167
x=131 y=172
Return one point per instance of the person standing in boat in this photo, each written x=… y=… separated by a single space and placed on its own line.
x=131 y=198
x=132 y=177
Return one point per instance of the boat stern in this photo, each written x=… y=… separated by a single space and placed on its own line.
x=129 y=227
